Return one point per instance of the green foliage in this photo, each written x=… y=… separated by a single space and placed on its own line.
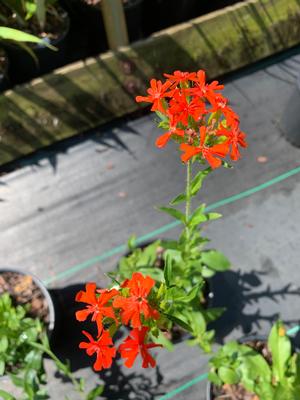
x=239 y=363
x=23 y=342
x=139 y=260
x=24 y=10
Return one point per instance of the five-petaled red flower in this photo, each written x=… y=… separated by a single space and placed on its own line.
x=162 y=140
x=137 y=303
x=235 y=138
x=211 y=154
x=157 y=92
x=103 y=347
x=135 y=344
x=97 y=305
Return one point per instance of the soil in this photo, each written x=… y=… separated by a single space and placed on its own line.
x=238 y=392
x=24 y=291
x=55 y=28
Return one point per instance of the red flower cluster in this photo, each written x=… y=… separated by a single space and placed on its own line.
x=110 y=308
x=198 y=117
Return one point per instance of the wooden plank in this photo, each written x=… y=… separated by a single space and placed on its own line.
x=86 y=94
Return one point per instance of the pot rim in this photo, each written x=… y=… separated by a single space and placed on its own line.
x=44 y=290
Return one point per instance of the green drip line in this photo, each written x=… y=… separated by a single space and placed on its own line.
x=185 y=386
x=119 y=249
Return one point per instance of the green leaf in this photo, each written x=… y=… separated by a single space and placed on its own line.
x=2 y=367
x=174 y=213
x=280 y=346
x=212 y=216
x=213 y=378
x=155 y=273
x=187 y=298
x=178 y=199
x=198 y=216
x=207 y=272
x=162 y=339
x=3 y=344
x=19 y=36
x=178 y=321
x=162 y=116
x=168 y=268
x=215 y=260
x=94 y=393
x=6 y=396
x=198 y=180
x=228 y=375
x=131 y=244
x=211 y=314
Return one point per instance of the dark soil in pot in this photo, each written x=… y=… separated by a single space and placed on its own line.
x=238 y=392
x=28 y=290
x=4 y=81
x=22 y=66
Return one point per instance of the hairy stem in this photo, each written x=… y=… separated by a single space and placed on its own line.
x=188 y=196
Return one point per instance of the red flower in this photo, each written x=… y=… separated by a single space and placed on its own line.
x=97 y=305
x=162 y=140
x=208 y=153
x=135 y=344
x=180 y=77
x=157 y=92
x=137 y=303
x=203 y=89
x=182 y=108
x=236 y=138
x=102 y=347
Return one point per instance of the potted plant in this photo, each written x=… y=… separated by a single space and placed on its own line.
x=256 y=368
x=27 y=322
x=45 y=19
x=18 y=38
x=197 y=117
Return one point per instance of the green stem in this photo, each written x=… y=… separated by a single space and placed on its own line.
x=60 y=365
x=188 y=196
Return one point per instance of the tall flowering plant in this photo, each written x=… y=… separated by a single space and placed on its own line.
x=196 y=116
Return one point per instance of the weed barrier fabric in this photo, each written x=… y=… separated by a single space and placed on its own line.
x=67 y=205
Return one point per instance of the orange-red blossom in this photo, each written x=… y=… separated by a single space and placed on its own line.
x=110 y=308
x=198 y=117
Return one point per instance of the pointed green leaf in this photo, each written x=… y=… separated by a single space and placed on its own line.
x=168 y=268
x=215 y=260
x=6 y=396
x=178 y=199
x=174 y=213
x=178 y=321
x=228 y=375
x=198 y=216
x=20 y=36
x=197 y=181
x=280 y=347
x=212 y=216
x=94 y=393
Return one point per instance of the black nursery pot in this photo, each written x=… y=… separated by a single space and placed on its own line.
x=243 y=340
x=23 y=67
x=133 y=12
x=44 y=291
x=87 y=33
